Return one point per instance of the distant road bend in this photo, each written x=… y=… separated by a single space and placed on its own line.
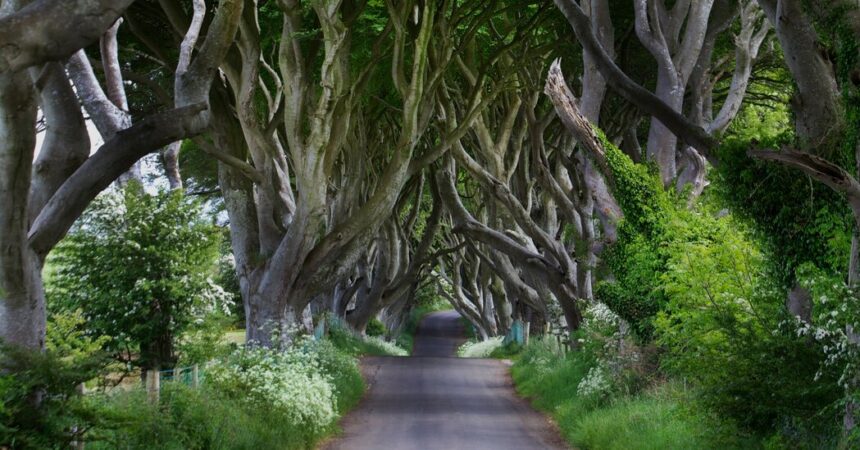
x=434 y=400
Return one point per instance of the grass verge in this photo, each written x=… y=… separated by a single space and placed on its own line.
x=663 y=417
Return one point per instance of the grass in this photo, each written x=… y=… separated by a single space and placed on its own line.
x=356 y=345
x=663 y=417
x=213 y=418
x=235 y=337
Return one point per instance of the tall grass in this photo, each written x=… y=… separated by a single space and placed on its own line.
x=186 y=418
x=664 y=417
x=218 y=416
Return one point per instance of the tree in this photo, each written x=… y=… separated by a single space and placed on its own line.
x=141 y=268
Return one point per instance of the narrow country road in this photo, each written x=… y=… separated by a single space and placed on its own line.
x=434 y=400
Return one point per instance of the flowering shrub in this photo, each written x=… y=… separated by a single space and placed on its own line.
x=836 y=327
x=606 y=340
x=140 y=268
x=595 y=383
x=480 y=349
x=291 y=383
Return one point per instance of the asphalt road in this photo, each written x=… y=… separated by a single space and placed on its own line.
x=434 y=400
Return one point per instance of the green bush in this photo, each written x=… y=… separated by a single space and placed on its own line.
x=140 y=267
x=41 y=404
x=726 y=329
x=204 y=340
x=375 y=328
x=254 y=399
x=187 y=418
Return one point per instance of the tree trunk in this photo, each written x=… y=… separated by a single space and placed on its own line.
x=22 y=299
x=816 y=105
x=662 y=143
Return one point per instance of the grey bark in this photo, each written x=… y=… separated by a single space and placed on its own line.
x=689 y=132
x=816 y=104
x=22 y=301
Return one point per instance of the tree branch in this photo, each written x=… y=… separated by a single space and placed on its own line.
x=52 y=30
x=629 y=89
x=114 y=158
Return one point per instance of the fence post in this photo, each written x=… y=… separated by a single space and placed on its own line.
x=153 y=385
x=195 y=376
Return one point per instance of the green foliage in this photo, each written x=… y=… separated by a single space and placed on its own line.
x=638 y=257
x=41 y=406
x=186 y=418
x=140 y=269
x=725 y=329
x=204 y=340
x=284 y=382
x=638 y=190
x=375 y=328
x=251 y=399
x=342 y=337
x=661 y=418
x=511 y=350
x=799 y=220
x=703 y=282
x=66 y=335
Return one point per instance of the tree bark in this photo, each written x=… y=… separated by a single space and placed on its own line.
x=818 y=114
x=22 y=300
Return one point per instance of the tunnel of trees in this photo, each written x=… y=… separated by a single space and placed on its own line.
x=690 y=168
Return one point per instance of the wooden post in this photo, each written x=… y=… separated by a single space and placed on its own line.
x=153 y=385
x=195 y=376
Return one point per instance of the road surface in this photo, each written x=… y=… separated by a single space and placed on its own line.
x=434 y=400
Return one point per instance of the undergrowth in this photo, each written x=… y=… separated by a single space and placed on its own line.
x=663 y=416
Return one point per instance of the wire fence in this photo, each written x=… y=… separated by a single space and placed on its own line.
x=192 y=376
x=189 y=376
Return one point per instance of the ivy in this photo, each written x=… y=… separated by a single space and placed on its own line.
x=638 y=257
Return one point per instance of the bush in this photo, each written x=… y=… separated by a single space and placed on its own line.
x=204 y=340
x=726 y=329
x=187 y=418
x=41 y=405
x=253 y=399
x=375 y=328
x=290 y=383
